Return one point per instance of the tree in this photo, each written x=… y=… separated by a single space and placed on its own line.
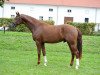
x=1 y=3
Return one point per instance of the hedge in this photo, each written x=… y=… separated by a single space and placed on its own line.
x=5 y=21
x=86 y=28
x=19 y=28
x=51 y=22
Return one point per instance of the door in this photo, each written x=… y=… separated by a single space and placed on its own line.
x=68 y=19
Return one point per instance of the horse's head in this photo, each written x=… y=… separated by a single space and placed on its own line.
x=17 y=20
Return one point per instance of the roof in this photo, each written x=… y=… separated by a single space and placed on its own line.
x=77 y=3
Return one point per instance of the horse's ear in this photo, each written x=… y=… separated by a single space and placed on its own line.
x=17 y=14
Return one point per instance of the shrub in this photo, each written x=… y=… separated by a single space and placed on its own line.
x=5 y=21
x=51 y=22
x=21 y=27
x=86 y=28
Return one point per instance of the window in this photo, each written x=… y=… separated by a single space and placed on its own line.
x=86 y=11
x=31 y=8
x=40 y=17
x=86 y=20
x=50 y=18
x=69 y=11
x=12 y=16
x=12 y=7
x=50 y=9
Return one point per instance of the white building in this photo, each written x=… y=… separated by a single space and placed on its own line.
x=60 y=11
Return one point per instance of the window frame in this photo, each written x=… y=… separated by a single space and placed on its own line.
x=40 y=17
x=86 y=20
x=12 y=7
x=69 y=10
x=50 y=9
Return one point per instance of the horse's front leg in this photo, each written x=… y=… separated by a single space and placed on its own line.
x=44 y=54
x=38 y=44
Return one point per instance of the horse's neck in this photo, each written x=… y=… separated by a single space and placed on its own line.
x=31 y=23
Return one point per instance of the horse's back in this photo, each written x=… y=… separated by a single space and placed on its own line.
x=58 y=33
x=51 y=34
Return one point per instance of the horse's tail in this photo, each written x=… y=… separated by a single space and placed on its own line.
x=79 y=43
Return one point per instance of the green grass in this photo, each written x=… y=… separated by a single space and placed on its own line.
x=18 y=56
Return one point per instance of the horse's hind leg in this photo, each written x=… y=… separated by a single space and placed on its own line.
x=44 y=54
x=72 y=54
x=75 y=52
x=72 y=59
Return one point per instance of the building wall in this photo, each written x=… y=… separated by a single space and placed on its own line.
x=78 y=14
x=97 y=15
x=32 y=10
x=1 y=12
x=59 y=12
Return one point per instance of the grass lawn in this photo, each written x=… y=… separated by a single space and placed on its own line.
x=18 y=56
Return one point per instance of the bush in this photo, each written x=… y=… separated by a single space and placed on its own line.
x=5 y=21
x=21 y=27
x=86 y=28
x=51 y=22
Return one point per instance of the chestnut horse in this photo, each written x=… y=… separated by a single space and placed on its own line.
x=44 y=33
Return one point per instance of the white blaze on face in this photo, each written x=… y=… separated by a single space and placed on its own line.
x=77 y=63
x=45 y=61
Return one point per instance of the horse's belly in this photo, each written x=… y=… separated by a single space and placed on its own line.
x=53 y=39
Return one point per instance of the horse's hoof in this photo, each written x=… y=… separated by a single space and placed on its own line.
x=45 y=64
x=76 y=67
x=71 y=64
x=38 y=63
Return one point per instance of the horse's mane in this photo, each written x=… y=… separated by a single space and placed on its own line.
x=33 y=19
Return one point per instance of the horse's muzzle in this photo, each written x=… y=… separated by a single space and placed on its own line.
x=12 y=25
